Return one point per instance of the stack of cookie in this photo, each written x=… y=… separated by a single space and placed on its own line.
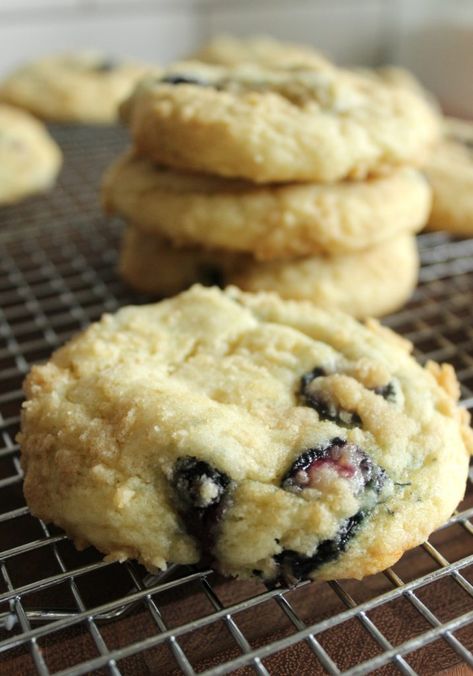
x=300 y=181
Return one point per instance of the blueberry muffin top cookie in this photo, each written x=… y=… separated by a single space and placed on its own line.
x=450 y=172
x=263 y=437
x=277 y=221
x=29 y=158
x=273 y=125
x=77 y=87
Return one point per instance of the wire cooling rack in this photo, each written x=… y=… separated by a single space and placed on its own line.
x=69 y=612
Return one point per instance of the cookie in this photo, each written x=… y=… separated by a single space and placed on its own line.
x=259 y=436
x=450 y=172
x=274 y=126
x=279 y=221
x=372 y=282
x=83 y=87
x=227 y=50
x=270 y=222
x=29 y=158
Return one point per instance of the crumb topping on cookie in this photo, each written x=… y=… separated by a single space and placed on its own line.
x=176 y=432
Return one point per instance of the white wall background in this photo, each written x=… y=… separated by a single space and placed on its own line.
x=433 y=37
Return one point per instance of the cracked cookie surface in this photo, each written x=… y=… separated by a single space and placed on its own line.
x=271 y=125
x=176 y=432
x=277 y=221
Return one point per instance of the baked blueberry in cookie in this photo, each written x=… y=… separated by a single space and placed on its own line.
x=294 y=566
x=318 y=467
x=321 y=400
x=177 y=79
x=198 y=485
x=200 y=489
x=106 y=65
x=173 y=433
x=388 y=392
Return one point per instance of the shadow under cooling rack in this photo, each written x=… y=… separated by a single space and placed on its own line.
x=68 y=612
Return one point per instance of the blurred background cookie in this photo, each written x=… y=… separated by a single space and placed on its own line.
x=76 y=87
x=450 y=172
x=29 y=158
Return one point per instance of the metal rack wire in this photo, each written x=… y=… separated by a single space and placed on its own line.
x=69 y=612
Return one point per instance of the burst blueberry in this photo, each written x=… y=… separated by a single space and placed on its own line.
x=342 y=460
x=318 y=468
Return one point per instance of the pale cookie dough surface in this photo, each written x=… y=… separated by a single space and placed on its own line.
x=77 y=87
x=227 y=50
x=278 y=221
x=262 y=436
x=368 y=283
x=450 y=172
x=30 y=159
x=273 y=125
x=397 y=77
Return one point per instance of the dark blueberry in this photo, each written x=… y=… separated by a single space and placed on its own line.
x=197 y=484
x=323 y=404
x=211 y=275
x=200 y=490
x=106 y=66
x=348 y=462
x=388 y=391
x=467 y=142
x=294 y=566
x=183 y=79
x=374 y=477
x=298 y=476
x=307 y=378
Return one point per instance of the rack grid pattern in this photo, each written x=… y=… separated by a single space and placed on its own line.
x=69 y=612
